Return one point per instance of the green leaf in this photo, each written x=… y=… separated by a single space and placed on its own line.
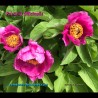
x=42 y=27
x=55 y=65
x=93 y=50
x=41 y=13
x=59 y=83
x=91 y=10
x=57 y=23
x=88 y=8
x=22 y=80
x=28 y=23
x=70 y=55
x=1 y=80
x=3 y=23
x=84 y=55
x=95 y=13
x=8 y=81
x=95 y=26
x=35 y=8
x=58 y=70
x=15 y=22
x=34 y=88
x=38 y=30
x=9 y=14
x=44 y=16
x=3 y=8
x=12 y=88
x=76 y=84
x=59 y=12
x=73 y=67
x=51 y=33
x=46 y=80
x=7 y=70
x=1 y=14
x=90 y=77
x=95 y=66
x=53 y=45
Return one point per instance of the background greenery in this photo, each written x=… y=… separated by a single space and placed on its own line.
x=75 y=68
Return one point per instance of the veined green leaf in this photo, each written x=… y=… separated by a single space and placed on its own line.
x=38 y=30
x=51 y=33
x=7 y=70
x=3 y=23
x=22 y=81
x=70 y=55
x=84 y=55
x=47 y=81
x=76 y=84
x=8 y=81
x=89 y=76
x=59 y=83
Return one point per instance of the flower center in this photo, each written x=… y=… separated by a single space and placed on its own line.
x=33 y=61
x=76 y=30
x=12 y=40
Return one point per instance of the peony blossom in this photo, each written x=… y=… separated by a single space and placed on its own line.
x=2 y=29
x=79 y=27
x=33 y=60
x=10 y=37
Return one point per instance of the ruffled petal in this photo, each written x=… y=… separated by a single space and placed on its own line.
x=12 y=28
x=49 y=60
x=75 y=41
x=65 y=37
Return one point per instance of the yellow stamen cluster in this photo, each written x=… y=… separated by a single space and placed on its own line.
x=76 y=30
x=33 y=61
x=12 y=40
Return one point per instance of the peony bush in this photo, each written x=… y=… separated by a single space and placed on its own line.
x=48 y=49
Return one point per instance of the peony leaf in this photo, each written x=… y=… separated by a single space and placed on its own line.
x=69 y=56
x=90 y=77
x=84 y=54
x=10 y=13
x=59 y=83
x=7 y=70
x=88 y=8
x=75 y=84
x=9 y=81
x=51 y=33
x=57 y=23
x=95 y=26
x=47 y=81
x=42 y=14
x=38 y=30
x=22 y=80
x=3 y=23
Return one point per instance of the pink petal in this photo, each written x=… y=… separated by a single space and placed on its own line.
x=82 y=40
x=10 y=49
x=39 y=57
x=12 y=28
x=75 y=41
x=40 y=76
x=2 y=30
x=65 y=37
x=76 y=15
x=48 y=62
x=33 y=78
x=25 y=54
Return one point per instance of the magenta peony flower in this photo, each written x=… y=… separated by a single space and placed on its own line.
x=10 y=37
x=79 y=27
x=2 y=29
x=33 y=60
